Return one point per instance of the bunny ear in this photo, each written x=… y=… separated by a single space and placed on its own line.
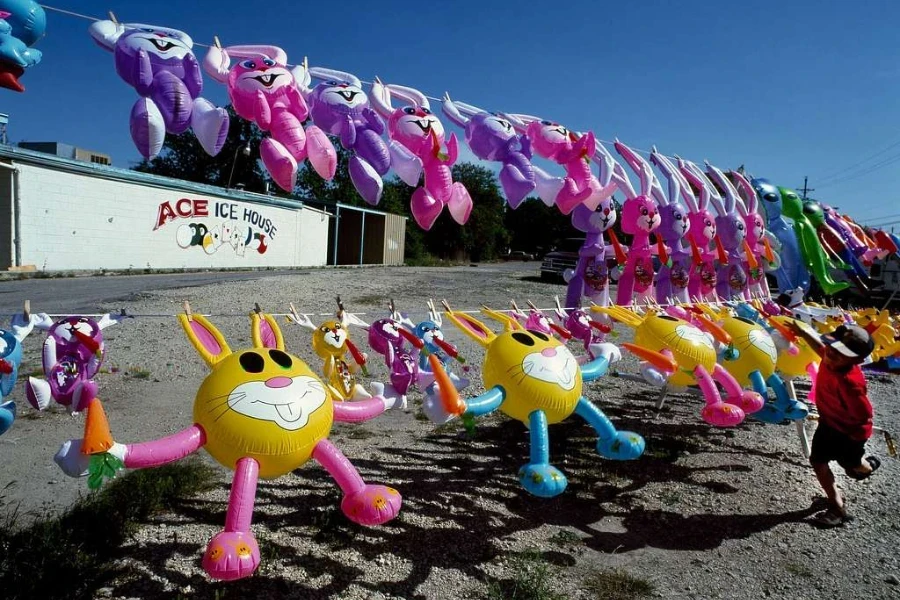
x=333 y=74
x=623 y=182
x=472 y=327
x=302 y=76
x=698 y=180
x=349 y=318
x=731 y=195
x=746 y=190
x=264 y=331
x=258 y=51
x=381 y=98
x=206 y=339
x=411 y=95
x=468 y=109
x=106 y=321
x=509 y=322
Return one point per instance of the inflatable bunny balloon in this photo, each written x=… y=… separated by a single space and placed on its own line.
x=640 y=217
x=418 y=137
x=159 y=63
x=263 y=90
x=732 y=231
x=759 y=240
x=673 y=280
x=491 y=137
x=340 y=107
x=702 y=231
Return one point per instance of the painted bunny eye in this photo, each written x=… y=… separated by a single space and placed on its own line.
x=677 y=217
x=523 y=338
x=644 y=211
x=409 y=110
x=252 y=362
x=281 y=359
x=268 y=62
x=332 y=83
x=708 y=223
x=740 y=226
x=249 y=64
x=427 y=111
x=546 y=123
x=147 y=29
x=323 y=329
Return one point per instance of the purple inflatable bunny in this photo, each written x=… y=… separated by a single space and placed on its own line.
x=733 y=278
x=674 y=277
x=387 y=336
x=159 y=64
x=339 y=106
x=491 y=137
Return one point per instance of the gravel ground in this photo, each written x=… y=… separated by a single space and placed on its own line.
x=705 y=513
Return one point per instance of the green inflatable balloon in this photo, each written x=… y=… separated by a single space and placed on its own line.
x=810 y=249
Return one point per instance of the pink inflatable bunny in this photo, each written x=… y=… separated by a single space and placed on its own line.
x=264 y=91
x=640 y=217
x=417 y=130
x=732 y=231
x=702 y=232
x=571 y=150
x=757 y=236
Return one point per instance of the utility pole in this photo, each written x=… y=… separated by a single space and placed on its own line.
x=805 y=189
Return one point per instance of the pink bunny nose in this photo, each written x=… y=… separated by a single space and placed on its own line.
x=549 y=352
x=605 y=211
x=278 y=382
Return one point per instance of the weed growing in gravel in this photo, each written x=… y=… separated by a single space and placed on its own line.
x=70 y=555
x=618 y=585
x=798 y=569
x=565 y=539
x=139 y=373
x=670 y=497
x=532 y=579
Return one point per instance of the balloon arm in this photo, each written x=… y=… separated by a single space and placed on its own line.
x=374 y=120
x=193 y=77
x=298 y=103
x=143 y=74
x=216 y=64
x=452 y=149
x=106 y=33
x=594 y=369
x=348 y=132
x=262 y=112
x=165 y=450
x=302 y=78
x=452 y=112
x=485 y=403
x=359 y=411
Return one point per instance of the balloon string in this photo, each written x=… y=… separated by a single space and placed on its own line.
x=90 y=18
x=127 y=315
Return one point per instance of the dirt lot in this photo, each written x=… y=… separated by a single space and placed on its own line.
x=705 y=513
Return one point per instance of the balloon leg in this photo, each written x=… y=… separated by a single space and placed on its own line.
x=748 y=401
x=366 y=180
x=233 y=553
x=613 y=444
x=321 y=153
x=148 y=129
x=570 y=196
x=7 y=416
x=516 y=186
x=210 y=125
x=716 y=412
x=812 y=369
x=539 y=477
x=425 y=208
x=279 y=163
x=363 y=503
x=460 y=203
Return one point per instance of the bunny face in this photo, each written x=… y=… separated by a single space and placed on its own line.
x=330 y=339
x=488 y=136
x=640 y=215
x=538 y=322
x=674 y=223
x=550 y=139
x=769 y=197
x=160 y=43
x=732 y=231
x=76 y=335
x=428 y=332
x=579 y=324
x=689 y=345
x=536 y=371
x=416 y=127
x=384 y=332
x=756 y=228
x=342 y=97
x=253 y=75
x=702 y=228
x=266 y=404
x=594 y=221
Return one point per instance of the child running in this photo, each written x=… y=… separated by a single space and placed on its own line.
x=845 y=413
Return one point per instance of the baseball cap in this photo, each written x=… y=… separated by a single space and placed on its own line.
x=851 y=341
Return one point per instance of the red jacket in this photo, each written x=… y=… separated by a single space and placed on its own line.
x=843 y=403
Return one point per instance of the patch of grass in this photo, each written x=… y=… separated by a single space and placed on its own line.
x=532 y=578
x=618 y=585
x=565 y=539
x=70 y=555
x=421 y=416
x=138 y=373
x=670 y=497
x=798 y=569
x=36 y=372
x=375 y=299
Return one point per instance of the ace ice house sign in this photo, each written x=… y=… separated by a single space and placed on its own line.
x=241 y=228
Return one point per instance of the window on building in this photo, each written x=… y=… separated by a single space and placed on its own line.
x=99 y=159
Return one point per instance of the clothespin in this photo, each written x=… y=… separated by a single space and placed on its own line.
x=26 y=310
x=294 y=312
x=187 y=311
x=446 y=306
x=256 y=308
x=340 y=304
x=305 y=63
x=531 y=304
x=112 y=17
x=216 y=42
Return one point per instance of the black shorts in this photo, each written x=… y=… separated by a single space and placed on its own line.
x=831 y=445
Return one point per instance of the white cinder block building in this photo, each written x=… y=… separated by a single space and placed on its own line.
x=58 y=214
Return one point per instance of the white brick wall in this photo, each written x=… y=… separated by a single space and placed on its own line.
x=75 y=221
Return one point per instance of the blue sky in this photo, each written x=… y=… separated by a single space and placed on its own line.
x=788 y=88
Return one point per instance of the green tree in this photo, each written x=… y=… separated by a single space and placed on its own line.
x=536 y=227
x=183 y=158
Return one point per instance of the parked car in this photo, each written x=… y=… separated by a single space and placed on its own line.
x=565 y=256
x=518 y=255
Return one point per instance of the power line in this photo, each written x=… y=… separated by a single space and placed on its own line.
x=835 y=174
x=870 y=169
